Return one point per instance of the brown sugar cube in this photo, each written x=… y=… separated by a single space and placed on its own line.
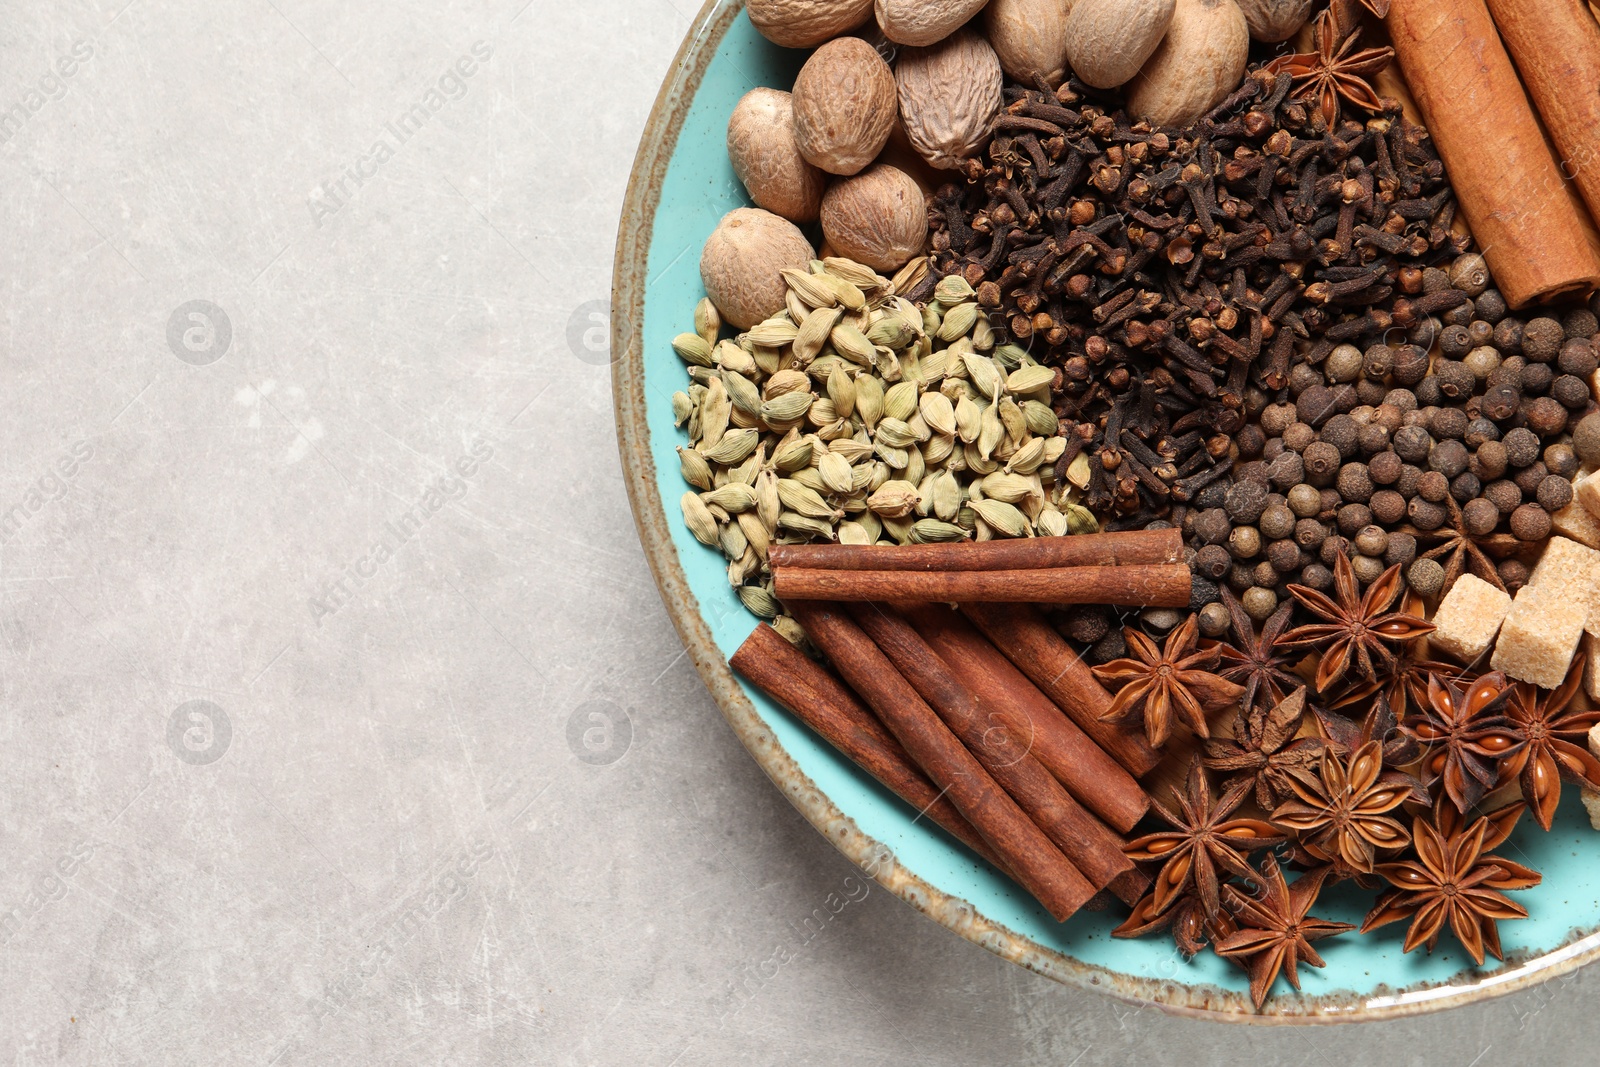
x=1468 y=618
x=1575 y=522
x=1586 y=491
x=1568 y=569
x=1591 y=804
x=1591 y=678
x=1539 y=637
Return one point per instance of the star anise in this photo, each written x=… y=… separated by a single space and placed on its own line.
x=1380 y=725
x=1264 y=752
x=1203 y=843
x=1336 y=69
x=1275 y=932
x=1359 y=629
x=1467 y=735
x=1379 y=8
x=1187 y=920
x=1452 y=880
x=1340 y=811
x=1160 y=681
x=1459 y=550
x=1255 y=660
x=1554 y=747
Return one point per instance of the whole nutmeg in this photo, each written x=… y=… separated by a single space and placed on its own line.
x=766 y=159
x=948 y=97
x=923 y=22
x=1271 y=21
x=844 y=106
x=1199 y=62
x=1109 y=40
x=1030 y=37
x=806 y=23
x=743 y=262
x=878 y=217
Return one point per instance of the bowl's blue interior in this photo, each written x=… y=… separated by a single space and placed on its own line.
x=698 y=189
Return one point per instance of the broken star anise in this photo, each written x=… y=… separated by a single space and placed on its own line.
x=1467 y=735
x=1173 y=679
x=1254 y=659
x=1555 y=745
x=1204 y=845
x=1275 y=932
x=1336 y=69
x=1451 y=880
x=1341 y=810
x=1359 y=629
x=1187 y=920
x=1264 y=751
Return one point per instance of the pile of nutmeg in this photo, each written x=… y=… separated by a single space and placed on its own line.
x=898 y=90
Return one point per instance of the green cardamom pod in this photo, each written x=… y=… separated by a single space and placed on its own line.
x=935 y=532
x=732 y=448
x=760 y=601
x=696 y=471
x=692 y=348
x=1040 y=418
x=842 y=391
x=958 y=322
x=1029 y=378
x=811 y=289
x=837 y=474
x=947 y=496
x=786 y=408
x=893 y=500
x=742 y=392
x=1052 y=523
x=1080 y=520
x=795 y=522
x=682 y=408
x=984 y=375
x=1026 y=459
x=707 y=320
x=773 y=333
x=804 y=500
x=697 y=517
x=869 y=400
x=733 y=497
x=1004 y=519
x=952 y=290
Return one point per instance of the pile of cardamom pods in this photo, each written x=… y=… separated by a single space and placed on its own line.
x=857 y=416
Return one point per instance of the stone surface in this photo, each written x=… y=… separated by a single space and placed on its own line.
x=269 y=799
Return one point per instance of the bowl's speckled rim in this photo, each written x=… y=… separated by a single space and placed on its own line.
x=629 y=396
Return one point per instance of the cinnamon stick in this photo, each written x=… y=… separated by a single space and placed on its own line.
x=1083 y=839
x=829 y=708
x=1532 y=227
x=1165 y=586
x=1011 y=554
x=1094 y=778
x=1556 y=45
x=1037 y=863
x=1043 y=655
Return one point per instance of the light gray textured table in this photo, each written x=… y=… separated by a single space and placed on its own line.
x=317 y=565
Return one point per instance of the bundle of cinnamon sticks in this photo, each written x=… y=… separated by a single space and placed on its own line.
x=984 y=719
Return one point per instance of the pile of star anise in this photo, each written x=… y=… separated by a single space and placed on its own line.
x=1414 y=796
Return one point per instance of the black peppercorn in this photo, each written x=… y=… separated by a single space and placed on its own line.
x=1508 y=336
x=1522 y=446
x=1424 y=514
x=1479 y=517
x=1578 y=357
x=1202 y=592
x=1530 y=522
x=1465 y=486
x=1490 y=306
x=1504 y=495
x=1245 y=501
x=1088 y=623
x=1561 y=460
x=1541 y=339
x=1480 y=430
x=1570 y=392
x=1402 y=549
x=1412 y=443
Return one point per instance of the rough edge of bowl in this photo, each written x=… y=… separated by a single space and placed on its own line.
x=1203 y=1001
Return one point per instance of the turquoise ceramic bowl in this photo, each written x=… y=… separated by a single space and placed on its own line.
x=681 y=185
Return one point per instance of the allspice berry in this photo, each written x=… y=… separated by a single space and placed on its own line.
x=1504 y=495
x=1355 y=484
x=1212 y=561
x=1244 y=542
x=1214 y=620
x=1554 y=493
x=1490 y=460
x=1388 y=506
x=1546 y=417
x=1522 y=446
x=1426 y=576
x=1586 y=440
x=1530 y=522
x=1259 y=603
x=1384 y=468
x=1401 y=551
x=1367 y=569
x=1541 y=339
x=1513 y=573
x=1322 y=462
x=1561 y=460
x=1371 y=540
x=1316 y=576
x=1305 y=501
x=1480 y=517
